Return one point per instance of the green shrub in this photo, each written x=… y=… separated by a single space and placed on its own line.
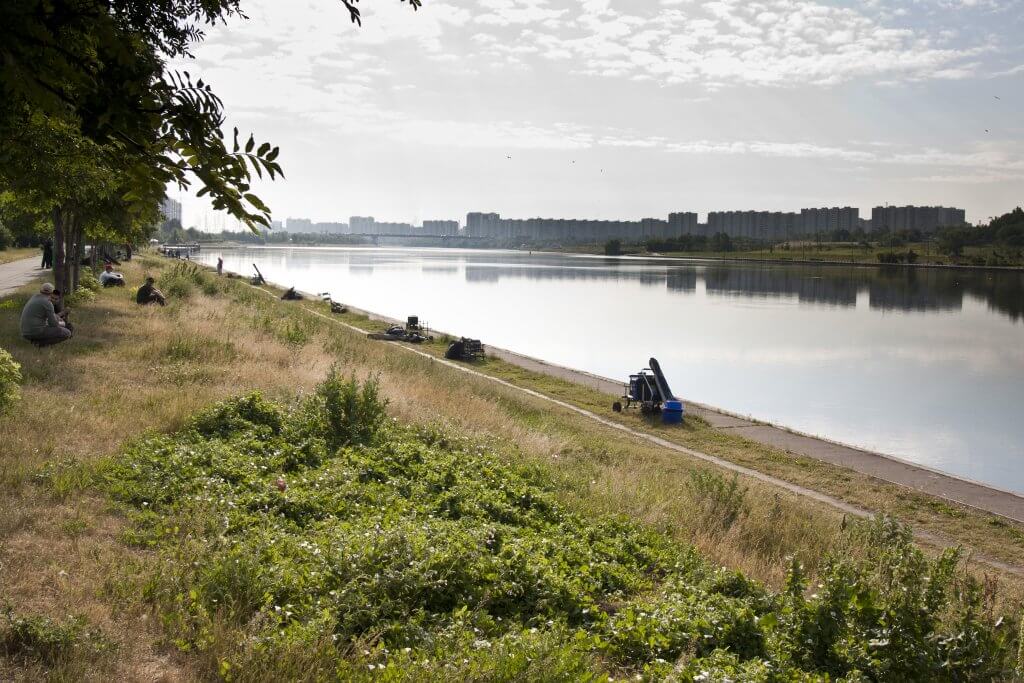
x=886 y=611
x=82 y=295
x=344 y=414
x=47 y=641
x=10 y=381
x=720 y=501
x=88 y=282
x=184 y=277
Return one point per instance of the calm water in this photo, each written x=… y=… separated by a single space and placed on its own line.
x=926 y=365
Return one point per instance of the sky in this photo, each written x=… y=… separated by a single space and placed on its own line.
x=623 y=109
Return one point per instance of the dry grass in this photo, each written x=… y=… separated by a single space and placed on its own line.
x=17 y=253
x=130 y=369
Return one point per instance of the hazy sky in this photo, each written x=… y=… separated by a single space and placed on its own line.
x=625 y=108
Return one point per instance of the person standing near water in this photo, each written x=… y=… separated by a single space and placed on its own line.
x=47 y=255
x=220 y=266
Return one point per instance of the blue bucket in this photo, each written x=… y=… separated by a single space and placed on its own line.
x=672 y=412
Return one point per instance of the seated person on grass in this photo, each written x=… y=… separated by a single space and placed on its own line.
x=148 y=294
x=39 y=324
x=108 y=278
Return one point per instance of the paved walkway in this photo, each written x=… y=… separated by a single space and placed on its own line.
x=16 y=273
x=877 y=465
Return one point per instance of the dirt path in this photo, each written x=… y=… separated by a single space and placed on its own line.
x=16 y=273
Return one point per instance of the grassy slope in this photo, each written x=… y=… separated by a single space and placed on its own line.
x=982 y=532
x=15 y=254
x=131 y=369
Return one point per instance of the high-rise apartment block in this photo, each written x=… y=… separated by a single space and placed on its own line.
x=682 y=223
x=441 y=228
x=758 y=225
x=299 y=225
x=493 y=226
x=170 y=209
x=923 y=218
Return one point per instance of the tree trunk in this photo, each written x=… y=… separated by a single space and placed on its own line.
x=61 y=278
x=76 y=266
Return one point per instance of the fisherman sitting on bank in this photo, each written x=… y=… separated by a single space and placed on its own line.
x=149 y=294
x=39 y=323
x=108 y=278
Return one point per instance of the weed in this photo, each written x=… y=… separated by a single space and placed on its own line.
x=41 y=639
x=66 y=476
x=10 y=381
x=195 y=348
x=345 y=413
x=721 y=501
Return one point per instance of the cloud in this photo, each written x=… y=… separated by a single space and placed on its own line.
x=1013 y=71
x=763 y=43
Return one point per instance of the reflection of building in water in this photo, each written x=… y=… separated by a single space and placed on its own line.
x=1002 y=292
x=911 y=291
x=475 y=273
x=674 y=279
x=779 y=282
x=682 y=279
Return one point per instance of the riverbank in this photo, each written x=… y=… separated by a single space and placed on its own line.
x=811 y=256
x=887 y=468
x=130 y=369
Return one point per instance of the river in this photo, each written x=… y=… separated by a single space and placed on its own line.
x=926 y=365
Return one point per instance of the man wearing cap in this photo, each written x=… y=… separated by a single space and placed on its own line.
x=39 y=323
x=108 y=278
x=148 y=294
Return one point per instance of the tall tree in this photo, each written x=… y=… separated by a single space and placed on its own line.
x=97 y=69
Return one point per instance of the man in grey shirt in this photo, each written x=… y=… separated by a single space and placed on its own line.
x=39 y=324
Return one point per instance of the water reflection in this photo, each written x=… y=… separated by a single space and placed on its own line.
x=888 y=288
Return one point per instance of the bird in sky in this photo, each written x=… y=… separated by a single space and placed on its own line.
x=986 y=130
x=997 y=97
x=507 y=157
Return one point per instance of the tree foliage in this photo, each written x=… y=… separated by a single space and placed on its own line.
x=103 y=65
x=85 y=87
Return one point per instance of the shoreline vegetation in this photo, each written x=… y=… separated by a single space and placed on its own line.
x=162 y=520
x=827 y=256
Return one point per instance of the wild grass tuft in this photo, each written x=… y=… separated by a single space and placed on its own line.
x=48 y=641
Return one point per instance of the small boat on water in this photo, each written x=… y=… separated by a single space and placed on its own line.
x=178 y=250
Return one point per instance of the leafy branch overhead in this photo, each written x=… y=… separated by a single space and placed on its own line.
x=100 y=67
x=357 y=18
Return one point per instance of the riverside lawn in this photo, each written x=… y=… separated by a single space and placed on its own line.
x=130 y=368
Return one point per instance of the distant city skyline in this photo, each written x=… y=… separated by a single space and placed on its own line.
x=731 y=221
x=619 y=110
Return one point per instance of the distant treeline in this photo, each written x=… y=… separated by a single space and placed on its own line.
x=1005 y=231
